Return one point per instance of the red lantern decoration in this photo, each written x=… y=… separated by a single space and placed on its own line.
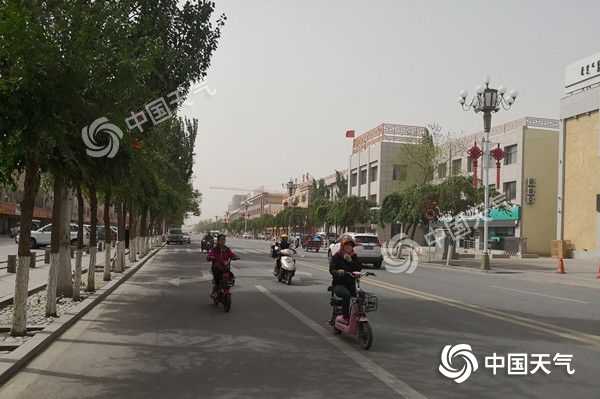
x=498 y=154
x=475 y=152
x=136 y=144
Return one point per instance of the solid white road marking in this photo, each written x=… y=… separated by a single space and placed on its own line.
x=535 y=293
x=377 y=371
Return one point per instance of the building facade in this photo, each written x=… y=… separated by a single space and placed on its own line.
x=578 y=201
x=527 y=180
x=372 y=170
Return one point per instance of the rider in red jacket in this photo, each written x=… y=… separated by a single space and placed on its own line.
x=220 y=256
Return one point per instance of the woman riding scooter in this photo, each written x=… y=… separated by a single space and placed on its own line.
x=220 y=256
x=342 y=262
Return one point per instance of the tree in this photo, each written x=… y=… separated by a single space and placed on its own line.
x=318 y=191
x=69 y=63
x=350 y=211
x=341 y=184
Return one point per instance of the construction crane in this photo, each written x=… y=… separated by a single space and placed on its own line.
x=261 y=188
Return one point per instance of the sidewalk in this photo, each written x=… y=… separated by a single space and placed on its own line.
x=38 y=276
x=578 y=272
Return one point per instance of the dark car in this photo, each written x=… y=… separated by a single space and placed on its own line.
x=101 y=233
x=175 y=236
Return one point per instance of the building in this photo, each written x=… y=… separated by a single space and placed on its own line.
x=578 y=201
x=373 y=171
x=527 y=179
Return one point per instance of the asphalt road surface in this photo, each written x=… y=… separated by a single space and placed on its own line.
x=159 y=336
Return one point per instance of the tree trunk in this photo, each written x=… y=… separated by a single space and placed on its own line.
x=51 y=288
x=143 y=232
x=132 y=234
x=120 y=256
x=32 y=184
x=65 y=272
x=77 y=280
x=108 y=235
x=91 y=281
x=57 y=209
x=80 y=234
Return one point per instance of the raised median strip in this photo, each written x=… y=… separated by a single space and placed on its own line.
x=12 y=362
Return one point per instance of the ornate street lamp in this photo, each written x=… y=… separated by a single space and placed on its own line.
x=245 y=204
x=487 y=101
x=291 y=186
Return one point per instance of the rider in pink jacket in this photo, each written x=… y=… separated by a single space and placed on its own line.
x=220 y=256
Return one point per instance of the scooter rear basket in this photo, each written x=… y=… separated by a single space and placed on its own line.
x=370 y=302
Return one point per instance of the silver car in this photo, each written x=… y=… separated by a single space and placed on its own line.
x=368 y=248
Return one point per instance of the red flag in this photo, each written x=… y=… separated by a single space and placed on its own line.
x=350 y=133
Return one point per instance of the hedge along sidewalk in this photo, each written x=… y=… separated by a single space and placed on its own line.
x=11 y=363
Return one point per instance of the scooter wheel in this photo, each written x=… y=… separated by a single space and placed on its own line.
x=365 y=335
x=289 y=280
x=227 y=303
x=336 y=331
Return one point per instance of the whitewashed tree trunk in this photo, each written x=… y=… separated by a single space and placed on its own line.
x=119 y=258
x=65 y=271
x=77 y=280
x=123 y=256
x=132 y=250
x=19 y=324
x=142 y=247
x=107 y=263
x=119 y=265
x=51 y=288
x=91 y=282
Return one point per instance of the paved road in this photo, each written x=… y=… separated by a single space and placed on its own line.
x=158 y=336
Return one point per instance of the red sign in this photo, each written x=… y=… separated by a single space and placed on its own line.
x=8 y=208
x=350 y=133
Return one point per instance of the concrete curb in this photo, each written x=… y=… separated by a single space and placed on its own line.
x=11 y=363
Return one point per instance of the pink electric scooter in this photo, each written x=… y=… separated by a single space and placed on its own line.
x=358 y=323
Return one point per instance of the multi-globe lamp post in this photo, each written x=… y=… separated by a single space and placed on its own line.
x=291 y=187
x=246 y=204
x=487 y=100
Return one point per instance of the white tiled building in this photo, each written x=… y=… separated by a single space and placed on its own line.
x=372 y=170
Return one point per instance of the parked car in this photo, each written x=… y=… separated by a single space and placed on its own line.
x=175 y=236
x=368 y=248
x=42 y=237
x=247 y=235
x=101 y=233
x=13 y=232
x=186 y=238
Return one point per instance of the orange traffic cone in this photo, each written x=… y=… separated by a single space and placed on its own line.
x=561 y=266
x=598 y=272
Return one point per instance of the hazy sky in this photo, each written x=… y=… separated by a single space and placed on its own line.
x=290 y=77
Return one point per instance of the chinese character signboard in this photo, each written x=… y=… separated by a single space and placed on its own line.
x=582 y=73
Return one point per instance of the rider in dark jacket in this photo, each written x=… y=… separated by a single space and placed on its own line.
x=342 y=262
x=284 y=244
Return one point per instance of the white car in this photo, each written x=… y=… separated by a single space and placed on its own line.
x=247 y=235
x=368 y=248
x=42 y=237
